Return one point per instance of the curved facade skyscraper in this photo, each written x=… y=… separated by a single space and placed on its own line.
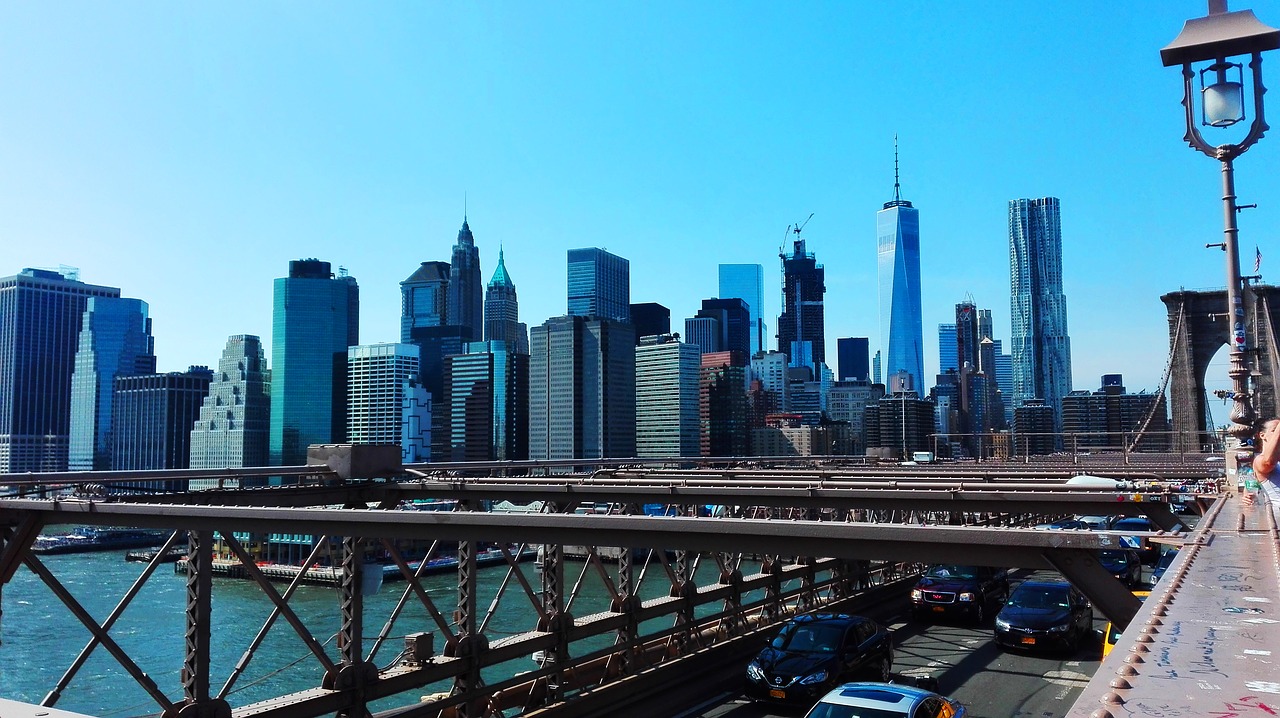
x=898 y=253
x=1040 y=346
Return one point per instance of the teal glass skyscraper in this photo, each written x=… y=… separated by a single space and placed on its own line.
x=898 y=251
x=746 y=282
x=316 y=317
x=502 y=312
x=1040 y=346
x=115 y=341
x=40 y=316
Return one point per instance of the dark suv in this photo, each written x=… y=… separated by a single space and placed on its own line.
x=972 y=592
x=814 y=653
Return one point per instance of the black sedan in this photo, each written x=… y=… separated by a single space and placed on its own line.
x=965 y=591
x=1044 y=614
x=815 y=653
x=1124 y=564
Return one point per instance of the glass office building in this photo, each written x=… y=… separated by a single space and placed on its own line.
x=667 y=397
x=489 y=403
x=154 y=414
x=599 y=285
x=424 y=299
x=1040 y=345
x=898 y=254
x=40 y=316
x=379 y=380
x=115 y=341
x=746 y=282
x=316 y=317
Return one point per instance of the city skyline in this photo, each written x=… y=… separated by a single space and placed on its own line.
x=194 y=146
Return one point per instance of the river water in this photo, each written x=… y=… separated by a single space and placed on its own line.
x=40 y=637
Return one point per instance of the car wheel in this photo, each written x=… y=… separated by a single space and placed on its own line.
x=886 y=669
x=980 y=615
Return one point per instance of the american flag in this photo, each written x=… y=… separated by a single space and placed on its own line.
x=1257 y=258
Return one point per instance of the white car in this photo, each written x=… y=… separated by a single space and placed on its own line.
x=1095 y=523
x=884 y=700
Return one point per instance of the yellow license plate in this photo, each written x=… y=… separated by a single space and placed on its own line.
x=939 y=609
x=1028 y=640
x=777 y=694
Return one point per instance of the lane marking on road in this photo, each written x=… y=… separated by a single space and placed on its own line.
x=1069 y=680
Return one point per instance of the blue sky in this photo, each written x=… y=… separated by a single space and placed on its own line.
x=186 y=152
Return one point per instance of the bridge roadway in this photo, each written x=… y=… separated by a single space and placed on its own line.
x=349 y=684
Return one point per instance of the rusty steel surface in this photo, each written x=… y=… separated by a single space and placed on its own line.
x=1207 y=640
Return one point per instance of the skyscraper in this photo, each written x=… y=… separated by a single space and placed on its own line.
x=380 y=377
x=650 y=319
x=599 y=285
x=40 y=316
x=233 y=428
x=723 y=407
x=1040 y=345
x=502 y=312
x=582 y=392
x=424 y=299
x=316 y=317
x=733 y=323
x=489 y=403
x=704 y=333
x=115 y=341
x=854 y=355
x=466 y=289
x=746 y=282
x=898 y=250
x=154 y=414
x=948 y=351
x=667 y=397
x=801 y=332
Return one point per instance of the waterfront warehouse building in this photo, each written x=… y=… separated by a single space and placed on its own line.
x=40 y=316
x=667 y=421
x=115 y=341
x=315 y=318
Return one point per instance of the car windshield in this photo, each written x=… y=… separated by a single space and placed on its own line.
x=832 y=710
x=1112 y=556
x=1038 y=597
x=809 y=638
x=949 y=571
x=1132 y=525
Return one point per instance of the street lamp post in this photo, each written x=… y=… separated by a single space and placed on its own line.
x=1216 y=38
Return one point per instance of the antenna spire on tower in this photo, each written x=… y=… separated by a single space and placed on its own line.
x=896 y=194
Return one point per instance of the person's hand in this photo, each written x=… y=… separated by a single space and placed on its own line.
x=1247 y=498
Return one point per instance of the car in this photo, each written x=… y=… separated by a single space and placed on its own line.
x=1147 y=551
x=1064 y=525
x=814 y=653
x=1095 y=523
x=1162 y=565
x=971 y=592
x=1044 y=615
x=884 y=700
x=1112 y=634
x=1123 y=563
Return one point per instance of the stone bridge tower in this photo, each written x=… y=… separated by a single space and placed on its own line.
x=1198 y=328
